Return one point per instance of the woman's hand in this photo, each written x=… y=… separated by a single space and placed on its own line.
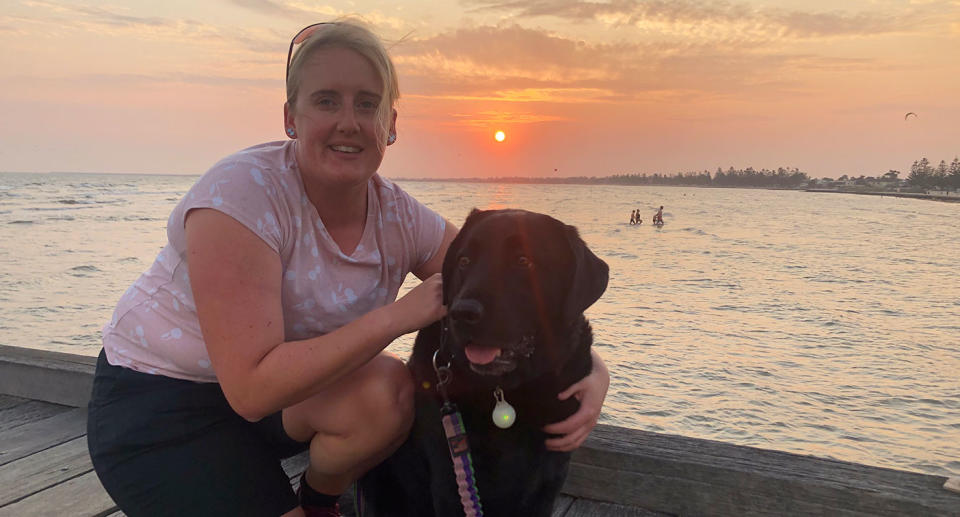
x=422 y=305
x=590 y=391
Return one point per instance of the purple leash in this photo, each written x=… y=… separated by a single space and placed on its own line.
x=458 y=445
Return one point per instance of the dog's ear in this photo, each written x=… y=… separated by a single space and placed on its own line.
x=450 y=259
x=590 y=276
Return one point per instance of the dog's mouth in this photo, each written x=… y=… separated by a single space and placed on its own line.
x=494 y=360
x=481 y=355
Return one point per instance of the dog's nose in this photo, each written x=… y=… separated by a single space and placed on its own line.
x=466 y=311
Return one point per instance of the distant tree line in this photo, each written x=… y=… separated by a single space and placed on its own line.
x=943 y=176
x=749 y=177
x=922 y=175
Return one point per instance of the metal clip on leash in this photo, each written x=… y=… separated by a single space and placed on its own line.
x=457 y=443
x=444 y=376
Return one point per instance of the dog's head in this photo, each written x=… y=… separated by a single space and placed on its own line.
x=516 y=284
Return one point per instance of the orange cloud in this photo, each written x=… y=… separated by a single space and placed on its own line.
x=722 y=19
x=307 y=12
x=474 y=67
x=517 y=64
x=486 y=119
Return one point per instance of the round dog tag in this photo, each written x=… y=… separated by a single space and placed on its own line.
x=503 y=413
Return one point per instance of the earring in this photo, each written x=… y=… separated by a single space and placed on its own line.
x=291 y=132
x=392 y=138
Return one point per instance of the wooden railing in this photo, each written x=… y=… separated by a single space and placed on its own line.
x=665 y=473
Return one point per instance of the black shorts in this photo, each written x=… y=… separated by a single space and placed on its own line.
x=164 y=446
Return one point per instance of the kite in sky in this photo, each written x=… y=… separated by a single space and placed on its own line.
x=908 y=115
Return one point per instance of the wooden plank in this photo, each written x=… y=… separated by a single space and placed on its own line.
x=9 y=401
x=27 y=439
x=590 y=508
x=20 y=353
x=295 y=465
x=683 y=475
x=27 y=476
x=562 y=505
x=56 y=377
x=30 y=411
x=82 y=496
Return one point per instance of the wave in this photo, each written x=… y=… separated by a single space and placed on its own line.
x=84 y=271
x=697 y=231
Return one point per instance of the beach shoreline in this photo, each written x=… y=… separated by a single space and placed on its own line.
x=908 y=195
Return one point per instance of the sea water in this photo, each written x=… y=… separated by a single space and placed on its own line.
x=825 y=324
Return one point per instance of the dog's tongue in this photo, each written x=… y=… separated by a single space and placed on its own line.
x=481 y=354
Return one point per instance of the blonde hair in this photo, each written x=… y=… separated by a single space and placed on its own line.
x=350 y=34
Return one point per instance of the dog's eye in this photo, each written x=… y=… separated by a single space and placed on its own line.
x=523 y=261
x=464 y=261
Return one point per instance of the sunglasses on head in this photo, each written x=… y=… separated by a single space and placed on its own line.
x=302 y=36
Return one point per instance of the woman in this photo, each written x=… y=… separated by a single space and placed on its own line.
x=273 y=342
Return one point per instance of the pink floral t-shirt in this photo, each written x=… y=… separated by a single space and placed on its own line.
x=154 y=328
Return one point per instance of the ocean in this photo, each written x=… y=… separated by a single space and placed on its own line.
x=824 y=324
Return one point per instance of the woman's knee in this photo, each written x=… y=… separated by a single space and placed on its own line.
x=388 y=392
x=378 y=400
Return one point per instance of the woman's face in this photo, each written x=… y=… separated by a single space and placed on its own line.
x=335 y=117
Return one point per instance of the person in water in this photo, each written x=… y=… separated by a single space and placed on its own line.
x=658 y=217
x=633 y=217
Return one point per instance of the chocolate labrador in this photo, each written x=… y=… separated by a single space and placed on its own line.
x=516 y=284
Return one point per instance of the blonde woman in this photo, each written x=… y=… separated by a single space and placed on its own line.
x=259 y=332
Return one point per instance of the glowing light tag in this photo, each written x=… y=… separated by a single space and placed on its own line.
x=503 y=413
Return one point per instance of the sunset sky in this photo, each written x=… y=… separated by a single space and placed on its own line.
x=588 y=88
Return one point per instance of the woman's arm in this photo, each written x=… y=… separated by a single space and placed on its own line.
x=435 y=264
x=590 y=391
x=236 y=281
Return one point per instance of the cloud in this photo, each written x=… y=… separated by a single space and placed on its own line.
x=486 y=119
x=287 y=9
x=721 y=19
x=64 y=18
x=180 y=78
x=516 y=64
x=627 y=12
x=511 y=54
x=100 y=82
x=301 y=12
x=100 y=15
x=551 y=95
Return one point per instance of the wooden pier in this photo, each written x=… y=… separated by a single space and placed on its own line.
x=45 y=468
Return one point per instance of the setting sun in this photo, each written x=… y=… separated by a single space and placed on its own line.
x=500 y=136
